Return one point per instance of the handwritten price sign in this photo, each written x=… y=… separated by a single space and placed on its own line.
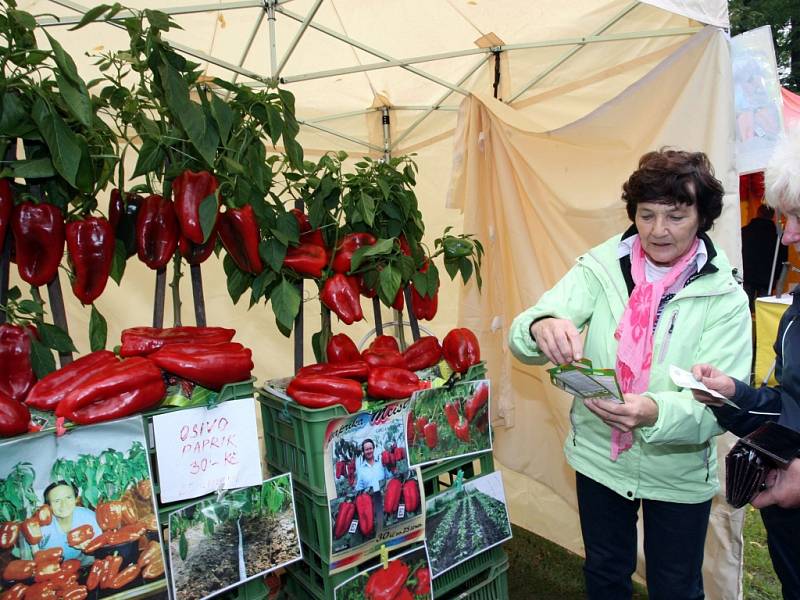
x=201 y=450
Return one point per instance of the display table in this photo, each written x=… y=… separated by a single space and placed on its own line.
x=769 y=311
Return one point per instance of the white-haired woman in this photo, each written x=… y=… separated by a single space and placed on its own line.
x=782 y=522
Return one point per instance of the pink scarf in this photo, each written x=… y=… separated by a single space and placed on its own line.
x=635 y=331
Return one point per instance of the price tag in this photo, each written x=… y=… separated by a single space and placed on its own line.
x=353 y=526
x=401 y=511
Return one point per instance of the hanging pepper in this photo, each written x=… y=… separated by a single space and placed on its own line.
x=122 y=215
x=419 y=425
x=240 y=234
x=307 y=234
x=451 y=412
x=390 y=383
x=348 y=245
x=386 y=583
x=351 y=471
x=399 y=453
x=388 y=461
x=80 y=536
x=6 y=208
x=341 y=467
x=16 y=372
x=423 y=353
x=210 y=365
x=340 y=294
x=356 y=369
x=90 y=246
x=411 y=432
x=462 y=430
x=384 y=358
x=189 y=190
x=343 y=519
x=9 y=533
x=320 y=391
x=423 y=577
x=306 y=259
x=411 y=495
x=365 y=515
x=478 y=401
x=19 y=570
x=461 y=349
x=384 y=343
x=14 y=417
x=424 y=307
x=39 y=241
x=51 y=389
x=431 y=435
x=31 y=530
x=125 y=388
x=391 y=496
x=141 y=341
x=196 y=254
x=399 y=301
x=341 y=349
x=157 y=231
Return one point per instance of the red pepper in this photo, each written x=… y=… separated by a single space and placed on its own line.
x=388 y=461
x=391 y=496
x=95 y=544
x=306 y=259
x=431 y=435
x=48 y=555
x=110 y=571
x=399 y=300
x=461 y=349
x=383 y=343
x=6 y=208
x=340 y=294
x=125 y=388
x=14 y=417
x=39 y=241
x=482 y=423
x=386 y=583
x=307 y=234
x=122 y=215
x=451 y=412
x=348 y=245
x=210 y=365
x=196 y=254
x=51 y=389
x=189 y=190
x=141 y=341
x=9 y=533
x=75 y=592
x=114 y=514
x=32 y=530
x=344 y=517
x=16 y=370
x=240 y=234
x=19 y=570
x=44 y=515
x=419 y=425
x=124 y=577
x=320 y=391
x=478 y=401
x=41 y=591
x=365 y=515
x=390 y=383
x=341 y=467
x=356 y=369
x=411 y=432
x=424 y=307
x=90 y=243
x=411 y=495
x=341 y=349
x=150 y=554
x=423 y=577
x=351 y=471
x=15 y=592
x=154 y=570
x=45 y=571
x=95 y=572
x=384 y=358
x=399 y=453
x=423 y=353
x=365 y=291
x=462 y=430
x=157 y=231
x=80 y=536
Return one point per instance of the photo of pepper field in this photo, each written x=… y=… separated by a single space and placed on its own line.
x=406 y=576
x=467 y=519
x=218 y=543
x=449 y=421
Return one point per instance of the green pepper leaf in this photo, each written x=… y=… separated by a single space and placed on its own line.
x=70 y=85
x=275 y=123
x=42 y=359
x=119 y=261
x=389 y=282
x=465 y=266
x=61 y=141
x=56 y=338
x=384 y=246
x=209 y=207
x=32 y=169
x=286 y=305
x=151 y=158
x=98 y=330
x=223 y=115
x=273 y=251
x=261 y=284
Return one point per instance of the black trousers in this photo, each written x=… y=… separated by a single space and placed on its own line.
x=674 y=538
x=783 y=540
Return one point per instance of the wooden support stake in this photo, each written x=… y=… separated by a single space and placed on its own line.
x=158 y=299
x=412 y=319
x=59 y=314
x=376 y=310
x=197 y=296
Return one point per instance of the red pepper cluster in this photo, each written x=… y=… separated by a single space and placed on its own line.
x=396 y=581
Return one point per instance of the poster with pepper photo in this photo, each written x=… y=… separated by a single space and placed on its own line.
x=78 y=520
x=374 y=497
x=223 y=541
x=406 y=576
x=448 y=421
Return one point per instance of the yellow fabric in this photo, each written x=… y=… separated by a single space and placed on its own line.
x=768 y=315
x=538 y=199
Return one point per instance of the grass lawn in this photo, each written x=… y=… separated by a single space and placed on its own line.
x=539 y=569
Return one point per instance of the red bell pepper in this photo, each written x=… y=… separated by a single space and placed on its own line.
x=110 y=571
x=356 y=369
x=478 y=401
x=341 y=467
x=431 y=435
x=419 y=425
x=451 y=412
x=74 y=592
x=19 y=570
x=423 y=353
x=6 y=208
x=157 y=231
x=424 y=307
x=49 y=555
x=307 y=234
x=320 y=391
x=122 y=215
x=124 y=577
x=41 y=591
x=411 y=433
x=384 y=358
x=462 y=430
x=154 y=570
x=80 y=536
x=151 y=553
x=399 y=453
x=95 y=544
x=386 y=583
x=39 y=241
x=388 y=461
x=423 y=577
x=341 y=349
x=411 y=495
x=210 y=365
x=344 y=517
x=189 y=190
x=340 y=294
x=51 y=389
x=16 y=371
x=347 y=246
x=399 y=300
x=15 y=592
x=306 y=259
x=125 y=388
x=31 y=530
x=141 y=341
x=366 y=518
x=383 y=343
x=196 y=254
x=114 y=514
x=9 y=534
x=240 y=234
x=90 y=244
x=390 y=383
x=44 y=515
x=391 y=496
x=14 y=417
x=461 y=349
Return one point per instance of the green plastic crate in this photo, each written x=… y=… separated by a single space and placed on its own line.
x=312 y=573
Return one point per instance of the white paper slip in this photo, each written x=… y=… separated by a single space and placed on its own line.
x=683 y=378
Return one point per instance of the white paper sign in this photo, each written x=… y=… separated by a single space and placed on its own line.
x=201 y=450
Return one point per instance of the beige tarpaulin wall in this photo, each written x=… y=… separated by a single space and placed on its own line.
x=538 y=199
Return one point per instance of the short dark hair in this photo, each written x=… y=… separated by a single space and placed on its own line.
x=765 y=211
x=675 y=177
x=56 y=484
x=365 y=441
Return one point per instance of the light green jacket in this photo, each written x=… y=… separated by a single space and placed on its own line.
x=675 y=459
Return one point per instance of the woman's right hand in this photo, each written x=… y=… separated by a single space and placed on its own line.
x=558 y=339
x=713 y=379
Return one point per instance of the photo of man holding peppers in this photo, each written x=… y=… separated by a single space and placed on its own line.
x=62 y=498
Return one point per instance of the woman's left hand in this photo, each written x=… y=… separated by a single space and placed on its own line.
x=637 y=411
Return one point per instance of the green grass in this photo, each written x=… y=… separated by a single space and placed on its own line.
x=760 y=582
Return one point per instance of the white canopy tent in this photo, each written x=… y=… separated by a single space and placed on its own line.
x=548 y=105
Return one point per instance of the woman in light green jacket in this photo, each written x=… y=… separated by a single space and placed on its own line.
x=660 y=294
